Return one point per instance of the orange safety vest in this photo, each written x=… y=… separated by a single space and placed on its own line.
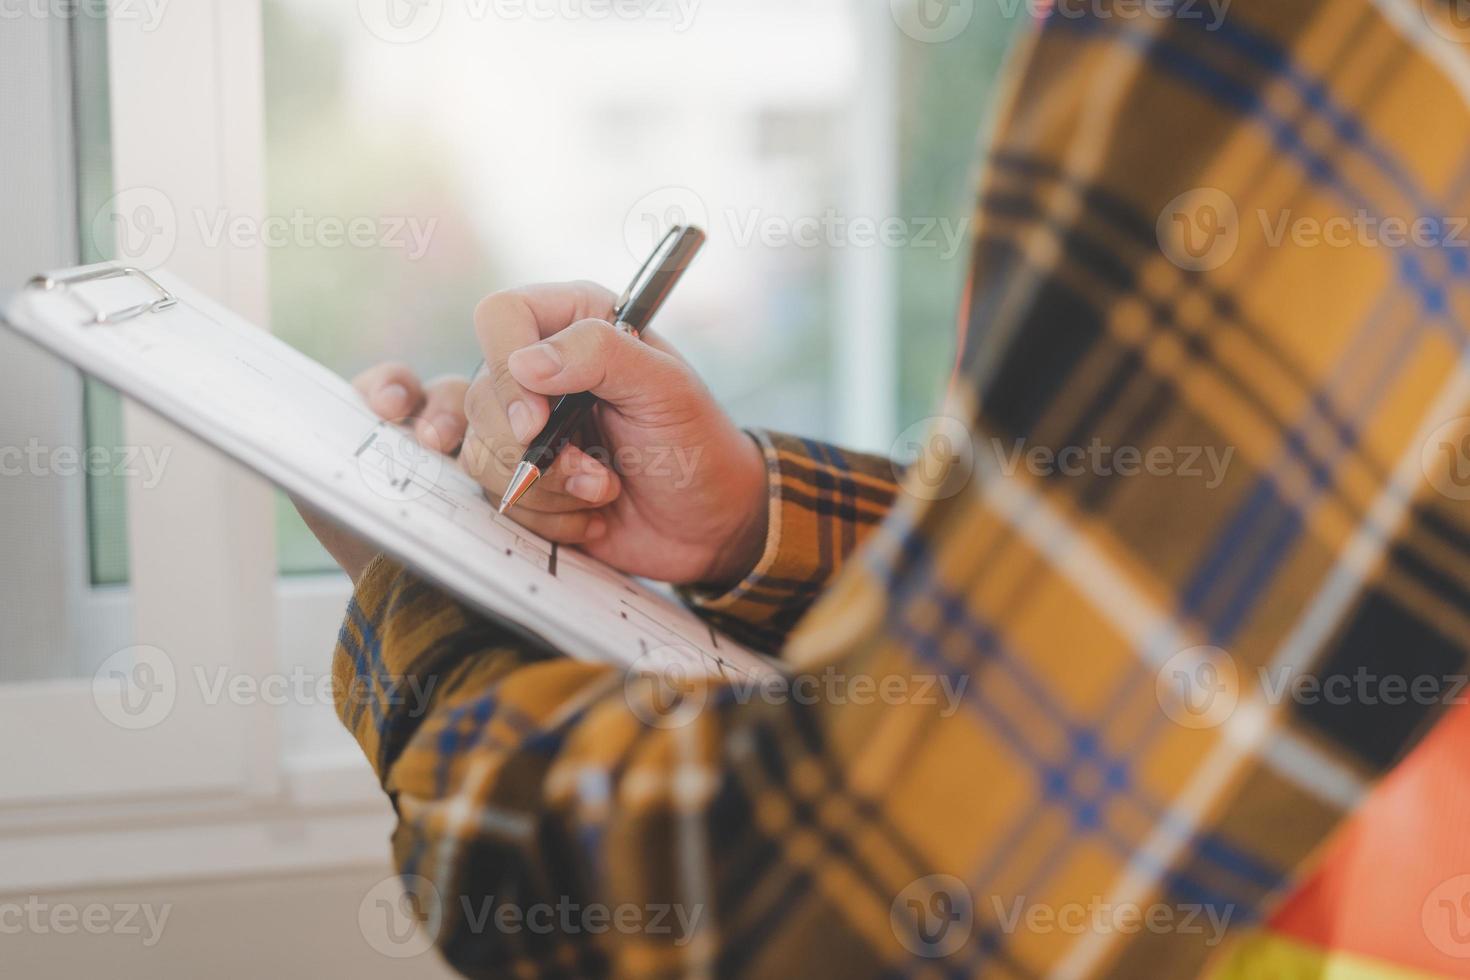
x=1391 y=896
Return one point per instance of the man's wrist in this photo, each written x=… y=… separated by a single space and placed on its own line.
x=746 y=546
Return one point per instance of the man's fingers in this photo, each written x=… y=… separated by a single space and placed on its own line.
x=578 y=476
x=391 y=390
x=575 y=482
x=441 y=422
x=509 y=320
x=504 y=322
x=578 y=527
x=591 y=355
x=394 y=393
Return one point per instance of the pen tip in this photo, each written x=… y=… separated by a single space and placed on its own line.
x=525 y=477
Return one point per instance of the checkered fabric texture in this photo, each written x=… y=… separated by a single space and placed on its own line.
x=1188 y=451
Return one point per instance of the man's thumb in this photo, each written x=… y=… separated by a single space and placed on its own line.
x=592 y=355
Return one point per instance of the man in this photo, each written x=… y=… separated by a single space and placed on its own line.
x=1204 y=455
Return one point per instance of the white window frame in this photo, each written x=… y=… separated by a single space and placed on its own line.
x=43 y=400
x=208 y=792
x=64 y=749
x=866 y=368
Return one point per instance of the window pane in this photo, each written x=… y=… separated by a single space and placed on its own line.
x=102 y=407
x=54 y=624
x=107 y=500
x=945 y=91
x=497 y=150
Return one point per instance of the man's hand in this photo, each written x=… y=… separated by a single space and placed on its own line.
x=436 y=413
x=661 y=483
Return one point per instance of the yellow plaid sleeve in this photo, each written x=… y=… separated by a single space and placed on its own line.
x=405 y=650
x=824 y=503
x=557 y=818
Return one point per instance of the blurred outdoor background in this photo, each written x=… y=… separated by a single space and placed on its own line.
x=538 y=149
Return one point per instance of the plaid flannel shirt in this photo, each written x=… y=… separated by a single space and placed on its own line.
x=1121 y=777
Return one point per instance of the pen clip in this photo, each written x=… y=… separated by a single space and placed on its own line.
x=657 y=278
x=648 y=270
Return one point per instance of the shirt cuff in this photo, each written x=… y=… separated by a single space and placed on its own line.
x=823 y=504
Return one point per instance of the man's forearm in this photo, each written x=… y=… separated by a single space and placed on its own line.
x=407 y=649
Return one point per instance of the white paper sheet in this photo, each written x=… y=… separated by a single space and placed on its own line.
x=305 y=429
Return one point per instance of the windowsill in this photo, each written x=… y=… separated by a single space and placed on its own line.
x=327 y=810
x=330 y=814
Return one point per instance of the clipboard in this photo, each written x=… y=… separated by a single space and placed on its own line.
x=271 y=408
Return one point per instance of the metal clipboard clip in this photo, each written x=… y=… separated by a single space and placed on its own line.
x=165 y=299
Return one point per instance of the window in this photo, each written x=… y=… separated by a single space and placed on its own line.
x=108 y=695
x=56 y=622
x=63 y=634
x=945 y=91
